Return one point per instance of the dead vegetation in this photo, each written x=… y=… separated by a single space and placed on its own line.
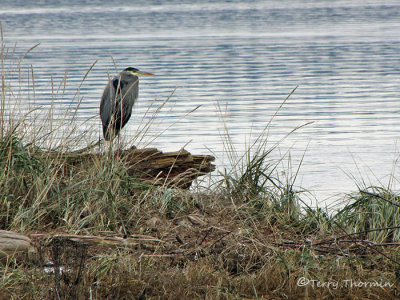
x=206 y=249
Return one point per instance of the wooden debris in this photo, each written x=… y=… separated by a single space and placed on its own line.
x=128 y=242
x=150 y=165
x=12 y=243
x=178 y=168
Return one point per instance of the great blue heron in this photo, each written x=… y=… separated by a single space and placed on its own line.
x=117 y=101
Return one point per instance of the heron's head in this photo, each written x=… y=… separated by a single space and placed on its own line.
x=137 y=72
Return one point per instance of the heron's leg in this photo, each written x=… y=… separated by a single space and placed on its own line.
x=119 y=144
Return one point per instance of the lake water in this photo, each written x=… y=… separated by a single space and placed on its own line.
x=246 y=57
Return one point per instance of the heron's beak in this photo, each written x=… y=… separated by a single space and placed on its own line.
x=140 y=73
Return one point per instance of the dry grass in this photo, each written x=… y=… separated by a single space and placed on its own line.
x=199 y=246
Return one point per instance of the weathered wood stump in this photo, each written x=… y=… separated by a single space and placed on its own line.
x=150 y=165
x=178 y=168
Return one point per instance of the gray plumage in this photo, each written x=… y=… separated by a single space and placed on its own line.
x=119 y=96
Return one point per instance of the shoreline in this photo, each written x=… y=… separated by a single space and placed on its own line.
x=251 y=235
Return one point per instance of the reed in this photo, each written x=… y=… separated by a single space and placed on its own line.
x=374 y=213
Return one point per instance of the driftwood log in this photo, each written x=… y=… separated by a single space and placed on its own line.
x=150 y=165
x=24 y=247
x=12 y=243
